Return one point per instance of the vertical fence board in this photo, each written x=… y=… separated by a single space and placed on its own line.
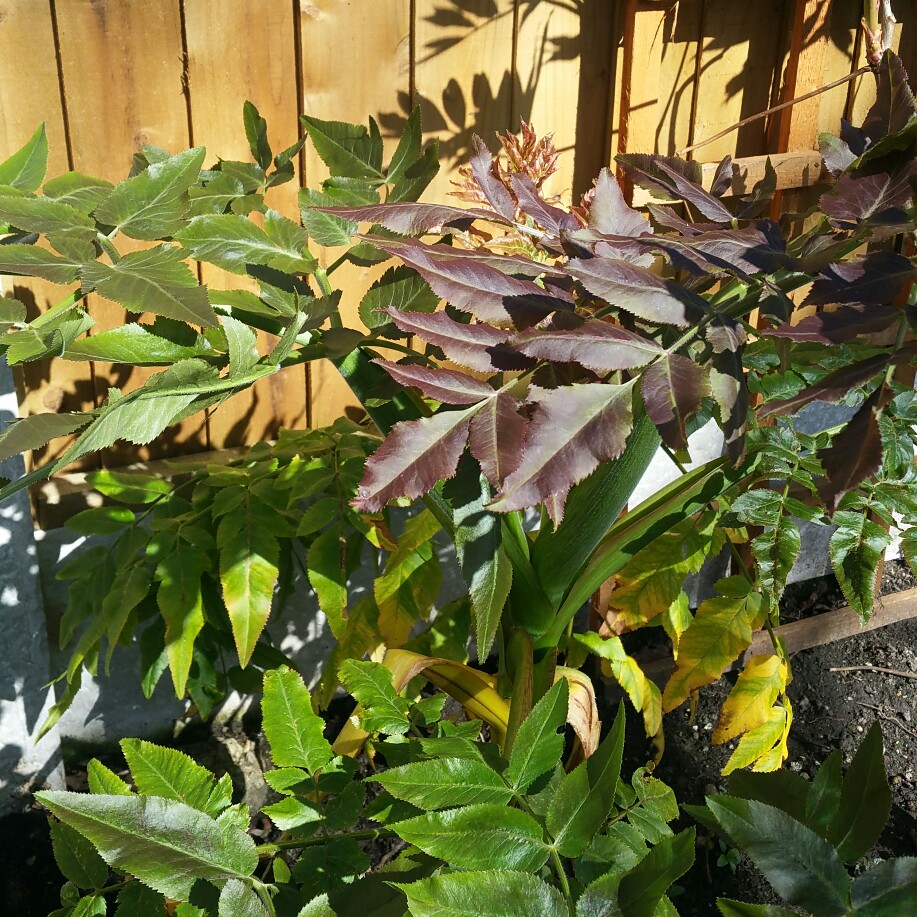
x=341 y=38
x=844 y=23
x=122 y=72
x=564 y=57
x=29 y=95
x=224 y=72
x=739 y=56
x=680 y=49
x=463 y=75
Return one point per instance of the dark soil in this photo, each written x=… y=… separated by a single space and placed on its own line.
x=831 y=710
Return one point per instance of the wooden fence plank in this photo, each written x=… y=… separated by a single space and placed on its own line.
x=29 y=95
x=844 y=23
x=678 y=79
x=238 y=51
x=741 y=44
x=463 y=75
x=122 y=75
x=338 y=39
x=564 y=59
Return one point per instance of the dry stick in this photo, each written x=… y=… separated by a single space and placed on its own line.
x=776 y=108
x=874 y=668
x=890 y=719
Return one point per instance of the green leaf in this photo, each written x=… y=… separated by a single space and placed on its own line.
x=165 y=844
x=291 y=813
x=41 y=214
x=90 y=906
x=729 y=908
x=328 y=228
x=782 y=789
x=82 y=192
x=399 y=288
x=129 y=487
x=33 y=261
x=256 y=132
x=249 y=554
x=657 y=808
x=136 y=344
x=77 y=858
x=153 y=280
x=538 y=745
x=136 y=900
x=347 y=149
x=644 y=886
x=585 y=797
x=43 y=339
x=856 y=549
x=234 y=243
x=292 y=728
x=171 y=774
x=242 y=346
x=105 y=782
x=478 y=538
x=445 y=782
x=824 y=797
x=35 y=431
x=417 y=176
x=801 y=866
x=482 y=836
x=152 y=204
x=181 y=604
x=409 y=150
x=461 y=894
x=326 y=565
x=26 y=168
x=239 y=899
x=865 y=800
x=101 y=520
x=384 y=709
x=888 y=889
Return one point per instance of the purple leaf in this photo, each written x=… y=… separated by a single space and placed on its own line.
x=876 y=279
x=644 y=169
x=832 y=388
x=415 y=455
x=722 y=178
x=855 y=453
x=410 y=219
x=573 y=430
x=511 y=265
x=482 y=167
x=725 y=333
x=727 y=385
x=673 y=390
x=666 y=216
x=444 y=385
x=478 y=346
x=895 y=105
x=839 y=326
x=597 y=345
x=553 y=219
x=609 y=213
x=703 y=201
x=835 y=153
x=874 y=199
x=472 y=285
x=761 y=194
x=638 y=290
x=497 y=437
x=854 y=137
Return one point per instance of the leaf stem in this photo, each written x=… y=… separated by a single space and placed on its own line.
x=59 y=308
x=267 y=850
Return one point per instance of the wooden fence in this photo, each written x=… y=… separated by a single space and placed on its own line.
x=606 y=76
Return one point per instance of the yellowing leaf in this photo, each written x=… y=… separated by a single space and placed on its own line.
x=720 y=631
x=676 y=620
x=582 y=711
x=750 y=700
x=765 y=745
x=643 y=694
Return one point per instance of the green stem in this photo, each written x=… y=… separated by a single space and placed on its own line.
x=562 y=878
x=59 y=308
x=267 y=850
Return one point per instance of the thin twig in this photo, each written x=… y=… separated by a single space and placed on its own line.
x=776 y=108
x=890 y=719
x=874 y=668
